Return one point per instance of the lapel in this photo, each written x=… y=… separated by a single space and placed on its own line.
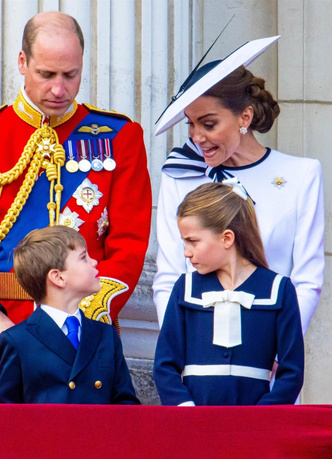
x=90 y=338
x=42 y=327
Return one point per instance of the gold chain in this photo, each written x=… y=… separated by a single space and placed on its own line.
x=42 y=151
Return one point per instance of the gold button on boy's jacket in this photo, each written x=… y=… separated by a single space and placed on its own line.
x=98 y=384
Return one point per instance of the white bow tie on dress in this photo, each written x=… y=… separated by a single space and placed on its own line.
x=227 y=315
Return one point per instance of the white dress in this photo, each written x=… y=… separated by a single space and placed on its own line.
x=288 y=195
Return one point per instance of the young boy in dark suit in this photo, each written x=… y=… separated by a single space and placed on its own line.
x=38 y=362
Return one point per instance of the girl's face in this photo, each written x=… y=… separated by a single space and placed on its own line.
x=204 y=248
x=215 y=129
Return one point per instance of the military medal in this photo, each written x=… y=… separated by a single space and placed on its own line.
x=96 y=163
x=87 y=195
x=84 y=164
x=109 y=163
x=71 y=164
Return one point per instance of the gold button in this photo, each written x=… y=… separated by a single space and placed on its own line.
x=72 y=385
x=98 y=384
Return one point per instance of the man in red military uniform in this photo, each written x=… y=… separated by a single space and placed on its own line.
x=68 y=164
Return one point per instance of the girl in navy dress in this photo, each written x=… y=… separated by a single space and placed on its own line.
x=226 y=322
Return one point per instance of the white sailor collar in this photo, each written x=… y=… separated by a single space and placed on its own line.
x=193 y=296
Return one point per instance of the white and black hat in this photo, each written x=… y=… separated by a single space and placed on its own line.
x=202 y=79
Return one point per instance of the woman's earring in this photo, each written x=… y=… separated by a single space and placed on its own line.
x=243 y=130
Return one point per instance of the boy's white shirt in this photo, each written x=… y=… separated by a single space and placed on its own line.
x=60 y=317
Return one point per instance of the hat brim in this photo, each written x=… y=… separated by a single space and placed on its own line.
x=242 y=56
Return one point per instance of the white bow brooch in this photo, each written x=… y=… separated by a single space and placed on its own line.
x=227 y=315
x=237 y=186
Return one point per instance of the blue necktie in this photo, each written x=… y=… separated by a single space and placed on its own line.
x=73 y=323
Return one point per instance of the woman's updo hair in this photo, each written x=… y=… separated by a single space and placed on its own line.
x=239 y=90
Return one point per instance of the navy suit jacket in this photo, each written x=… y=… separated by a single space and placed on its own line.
x=38 y=364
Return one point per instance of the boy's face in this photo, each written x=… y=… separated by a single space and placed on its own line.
x=81 y=274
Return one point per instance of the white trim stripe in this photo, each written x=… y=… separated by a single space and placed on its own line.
x=188 y=291
x=184 y=162
x=274 y=293
x=263 y=301
x=227 y=370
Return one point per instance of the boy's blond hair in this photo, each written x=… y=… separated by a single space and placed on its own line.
x=40 y=251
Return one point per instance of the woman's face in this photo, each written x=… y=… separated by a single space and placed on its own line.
x=215 y=129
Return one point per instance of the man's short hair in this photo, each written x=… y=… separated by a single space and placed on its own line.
x=40 y=251
x=34 y=25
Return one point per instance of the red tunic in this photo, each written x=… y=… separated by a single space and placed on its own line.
x=126 y=194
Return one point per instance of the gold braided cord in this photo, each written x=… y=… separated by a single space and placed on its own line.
x=28 y=152
x=42 y=150
x=59 y=159
x=22 y=196
x=53 y=172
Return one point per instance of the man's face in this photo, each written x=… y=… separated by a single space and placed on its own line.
x=53 y=75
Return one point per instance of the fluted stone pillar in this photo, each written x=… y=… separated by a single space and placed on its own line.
x=137 y=53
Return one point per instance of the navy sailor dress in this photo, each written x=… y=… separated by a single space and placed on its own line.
x=190 y=369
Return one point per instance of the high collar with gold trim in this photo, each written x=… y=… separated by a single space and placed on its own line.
x=35 y=118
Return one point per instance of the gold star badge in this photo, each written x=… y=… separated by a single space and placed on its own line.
x=279 y=182
x=70 y=219
x=87 y=195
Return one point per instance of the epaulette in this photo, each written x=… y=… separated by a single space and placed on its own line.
x=93 y=108
x=2 y=107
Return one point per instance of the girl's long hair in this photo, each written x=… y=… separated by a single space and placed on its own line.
x=219 y=208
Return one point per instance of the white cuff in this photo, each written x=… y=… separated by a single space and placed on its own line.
x=187 y=404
